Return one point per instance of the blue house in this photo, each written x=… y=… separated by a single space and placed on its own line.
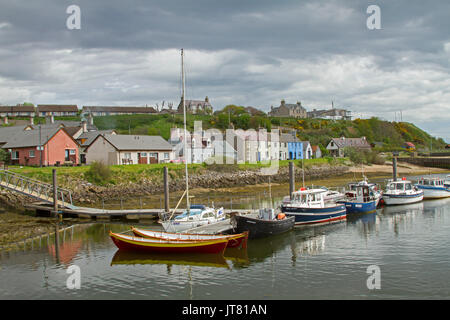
x=294 y=146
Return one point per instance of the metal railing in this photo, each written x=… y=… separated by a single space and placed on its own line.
x=34 y=188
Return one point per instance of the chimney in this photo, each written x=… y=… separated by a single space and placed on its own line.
x=283 y=102
x=49 y=119
x=206 y=99
x=84 y=126
x=91 y=119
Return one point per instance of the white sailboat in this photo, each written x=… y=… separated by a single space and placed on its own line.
x=194 y=215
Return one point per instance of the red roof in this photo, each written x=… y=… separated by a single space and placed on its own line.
x=410 y=144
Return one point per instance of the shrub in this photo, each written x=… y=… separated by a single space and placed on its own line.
x=98 y=173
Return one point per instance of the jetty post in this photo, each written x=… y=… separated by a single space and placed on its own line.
x=55 y=194
x=166 y=190
x=291 y=179
x=394 y=165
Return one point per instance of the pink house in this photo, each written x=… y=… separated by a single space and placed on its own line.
x=46 y=146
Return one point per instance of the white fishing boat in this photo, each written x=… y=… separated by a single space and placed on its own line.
x=433 y=188
x=195 y=215
x=447 y=181
x=401 y=192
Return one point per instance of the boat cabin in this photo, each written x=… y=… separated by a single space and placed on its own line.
x=309 y=198
x=401 y=185
x=431 y=182
x=361 y=193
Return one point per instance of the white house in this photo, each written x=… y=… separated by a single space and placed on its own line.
x=113 y=149
x=307 y=150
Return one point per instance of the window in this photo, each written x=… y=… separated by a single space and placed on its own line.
x=15 y=155
x=31 y=154
x=166 y=155
x=127 y=155
x=72 y=151
x=143 y=154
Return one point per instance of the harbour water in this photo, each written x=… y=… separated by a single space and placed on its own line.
x=408 y=244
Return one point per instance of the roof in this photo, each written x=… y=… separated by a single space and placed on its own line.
x=16 y=108
x=7 y=133
x=410 y=144
x=57 y=108
x=287 y=137
x=120 y=109
x=32 y=138
x=132 y=142
x=91 y=135
x=351 y=142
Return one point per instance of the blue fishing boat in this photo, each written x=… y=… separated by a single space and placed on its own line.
x=360 y=198
x=309 y=206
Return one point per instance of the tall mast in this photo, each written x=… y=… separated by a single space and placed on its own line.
x=185 y=132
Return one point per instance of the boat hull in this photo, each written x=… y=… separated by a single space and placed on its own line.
x=397 y=199
x=234 y=240
x=131 y=243
x=434 y=192
x=360 y=207
x=308 y=216
x=258 y=228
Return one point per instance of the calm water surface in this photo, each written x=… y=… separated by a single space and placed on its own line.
x=410 y=245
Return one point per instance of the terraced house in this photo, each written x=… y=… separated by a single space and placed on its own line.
x=45 y=110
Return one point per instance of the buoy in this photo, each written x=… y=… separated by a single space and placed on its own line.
x=281 y=216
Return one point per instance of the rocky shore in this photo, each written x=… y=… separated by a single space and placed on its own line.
x=85 y=192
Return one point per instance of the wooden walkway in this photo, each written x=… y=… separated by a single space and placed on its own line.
x=36 y=189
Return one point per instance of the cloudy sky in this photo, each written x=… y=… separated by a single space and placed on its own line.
x=246 y=52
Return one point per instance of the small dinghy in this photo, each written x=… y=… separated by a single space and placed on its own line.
x=234 y=240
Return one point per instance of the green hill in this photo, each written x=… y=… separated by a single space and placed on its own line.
x=385 y=135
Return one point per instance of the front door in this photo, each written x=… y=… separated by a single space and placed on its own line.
x=142 y=158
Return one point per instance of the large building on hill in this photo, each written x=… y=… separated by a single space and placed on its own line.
x=196 y=106
x=288 y=110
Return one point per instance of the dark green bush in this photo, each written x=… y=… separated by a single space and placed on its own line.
x=98 y=173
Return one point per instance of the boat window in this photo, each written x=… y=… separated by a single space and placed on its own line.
x=408 y=186
x=400 y=186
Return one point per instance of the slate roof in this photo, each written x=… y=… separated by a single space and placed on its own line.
x=119 y=109
x=351 y=142
x=31 y=138
x=287 y=137
x=16 y=108
x=90 y=136
x=7 y=133
x=56 y=108
x=132 y=142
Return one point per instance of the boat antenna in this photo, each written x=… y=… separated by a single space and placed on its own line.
x=185 y=131
x=303 y=172
x=270 y=195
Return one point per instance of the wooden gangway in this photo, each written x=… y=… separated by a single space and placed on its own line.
x=35 y=189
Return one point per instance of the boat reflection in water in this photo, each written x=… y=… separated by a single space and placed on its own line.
x=402 y=216
x=199 y=260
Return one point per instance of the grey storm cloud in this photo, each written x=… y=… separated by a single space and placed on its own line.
x=251 y=52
